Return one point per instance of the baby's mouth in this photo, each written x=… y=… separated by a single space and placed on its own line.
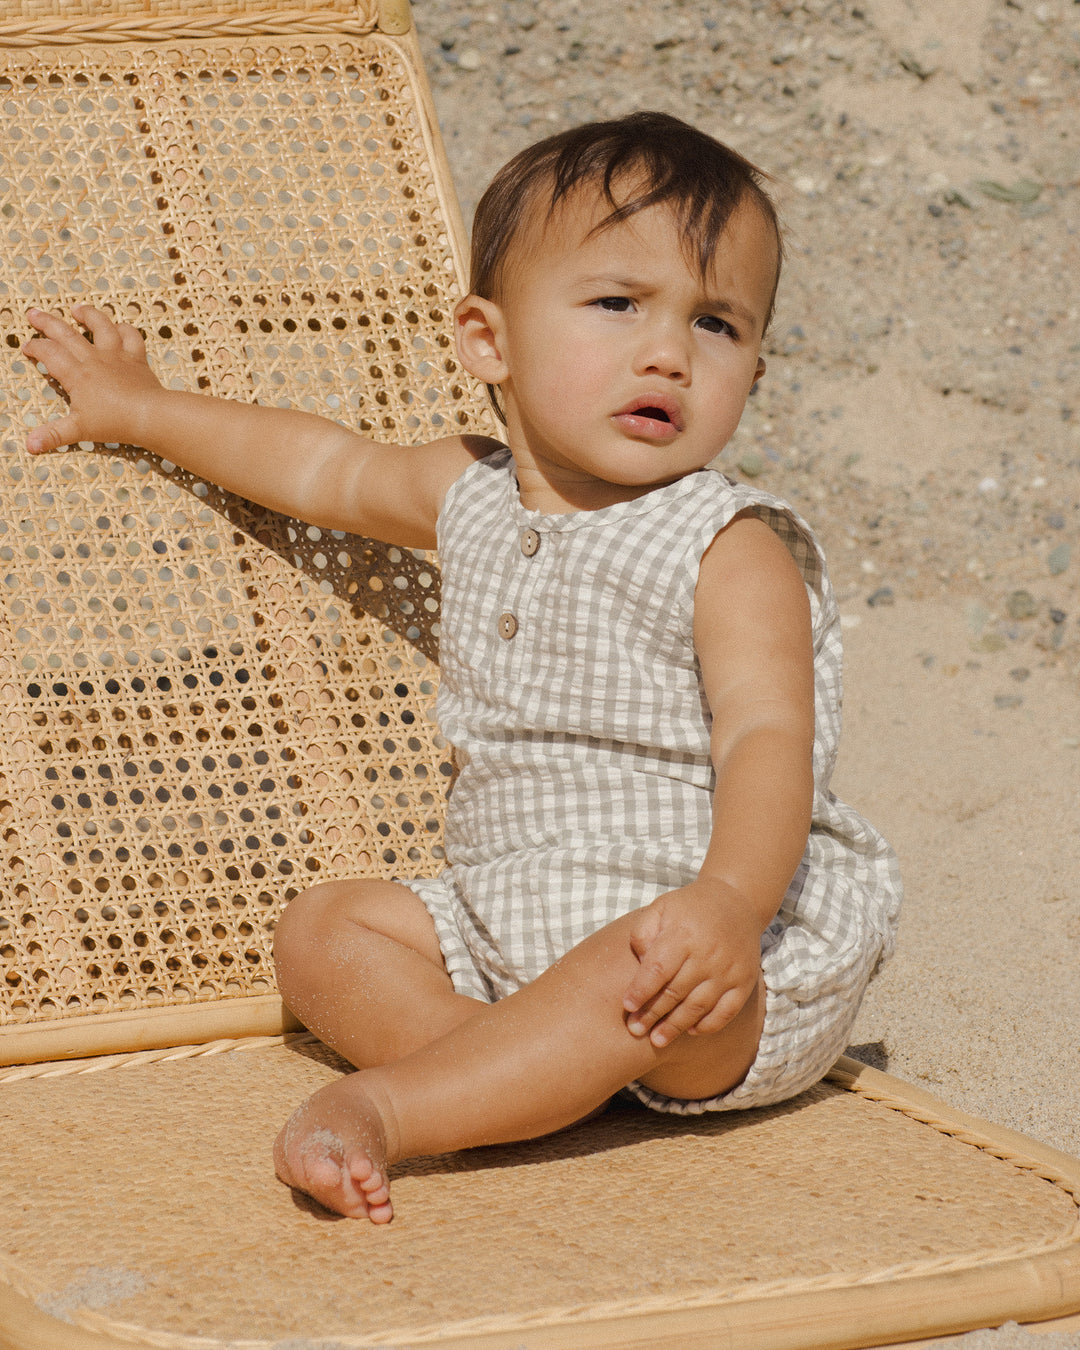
x=654 y=421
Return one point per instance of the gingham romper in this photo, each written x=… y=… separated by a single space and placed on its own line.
x=571 y=693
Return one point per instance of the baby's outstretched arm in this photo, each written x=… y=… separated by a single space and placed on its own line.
x=698 y=947
x=307 y=466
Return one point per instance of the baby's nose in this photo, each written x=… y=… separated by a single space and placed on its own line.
x=664 y=353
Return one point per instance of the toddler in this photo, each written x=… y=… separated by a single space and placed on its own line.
x=649 y=885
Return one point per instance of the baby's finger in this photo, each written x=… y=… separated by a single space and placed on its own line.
x=58 y=363
x=52 y=435
x=645 y=1018
x=652 y=977
x=685 y=1017
x=131 y=340
x=56 y=330
x=717 y=1018
x=100 y=327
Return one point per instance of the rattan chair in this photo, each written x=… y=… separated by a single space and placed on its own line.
x=207 y=707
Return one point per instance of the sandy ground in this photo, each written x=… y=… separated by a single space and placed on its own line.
x=922 y=408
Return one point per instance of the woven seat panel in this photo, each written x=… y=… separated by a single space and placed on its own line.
x=206 y=707
x=172 y=1162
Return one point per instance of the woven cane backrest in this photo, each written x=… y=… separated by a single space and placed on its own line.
x=207 y=707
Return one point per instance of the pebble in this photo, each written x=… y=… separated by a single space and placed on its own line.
x=1058 y=559
x=1007 y=700
x=978 y=616
x=1021 y=605
x=990 y=642
x=882 y=596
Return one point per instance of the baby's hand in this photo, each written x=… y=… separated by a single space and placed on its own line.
x=106 y=381
x=699 y=950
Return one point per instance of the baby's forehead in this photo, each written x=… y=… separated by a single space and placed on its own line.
x=588 y=217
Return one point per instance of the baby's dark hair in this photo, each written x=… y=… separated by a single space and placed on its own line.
x=658 y=157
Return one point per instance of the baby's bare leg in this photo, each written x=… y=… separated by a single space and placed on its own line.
x=535 y=1062
x=359 y=963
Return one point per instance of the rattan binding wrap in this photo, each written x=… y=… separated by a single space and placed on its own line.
x=205 y=707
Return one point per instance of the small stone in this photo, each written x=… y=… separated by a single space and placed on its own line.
x=1058 y=559
x=1071 y=742
x=914 y=66
x=977 y=617
x=1057 y=615
x=470 y=60
x=1007 y=700
x=990 y=642
x=1051 y=641
x=1020 y=674
x=1023 y=191
x=751 y=463
x=1021 y=605
x=882 y=596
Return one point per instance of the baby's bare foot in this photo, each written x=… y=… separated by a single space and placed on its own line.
x=334 y=1149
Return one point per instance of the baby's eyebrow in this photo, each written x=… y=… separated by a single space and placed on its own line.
x=614 y=279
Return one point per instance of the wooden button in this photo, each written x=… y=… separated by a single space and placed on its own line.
x=508 y=626
x=530 y=542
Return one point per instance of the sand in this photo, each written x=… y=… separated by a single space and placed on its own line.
x=922 y=408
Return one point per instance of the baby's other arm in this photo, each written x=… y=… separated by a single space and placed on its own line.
x=699 y=946
x=294 y=462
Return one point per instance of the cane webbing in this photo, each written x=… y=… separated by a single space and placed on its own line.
x=206 y=707
x=832 y=1220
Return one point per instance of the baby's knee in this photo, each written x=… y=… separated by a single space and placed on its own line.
x=339 y=908
x=306 y=920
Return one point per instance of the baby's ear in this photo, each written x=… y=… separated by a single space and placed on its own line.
x=478 y=330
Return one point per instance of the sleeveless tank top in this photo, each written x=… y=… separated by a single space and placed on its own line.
x=571 y=692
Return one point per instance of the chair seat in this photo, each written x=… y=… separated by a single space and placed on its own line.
x=862 y=1211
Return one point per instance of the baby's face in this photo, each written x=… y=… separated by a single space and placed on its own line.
x=624 y=368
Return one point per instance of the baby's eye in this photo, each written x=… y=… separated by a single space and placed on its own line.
x=713 y=324
x=615 y=304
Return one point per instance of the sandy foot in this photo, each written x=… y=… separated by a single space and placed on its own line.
x=333 y=1148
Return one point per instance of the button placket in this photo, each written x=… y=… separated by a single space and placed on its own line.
x=507 y=625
